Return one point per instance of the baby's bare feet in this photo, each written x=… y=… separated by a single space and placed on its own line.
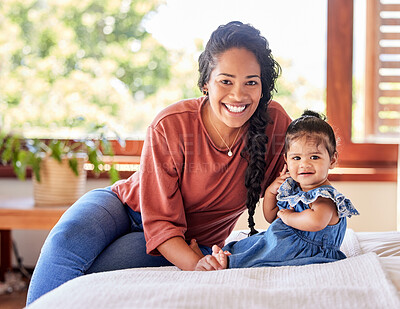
x=221 y=257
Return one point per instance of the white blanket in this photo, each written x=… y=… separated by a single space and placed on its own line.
x=356 y=282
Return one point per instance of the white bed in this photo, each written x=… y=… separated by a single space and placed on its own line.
x=368 y=278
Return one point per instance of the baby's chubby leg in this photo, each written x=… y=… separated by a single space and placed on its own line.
x=221 y=256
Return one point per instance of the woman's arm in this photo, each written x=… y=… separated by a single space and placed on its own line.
x=178 y=252
x=322 y=212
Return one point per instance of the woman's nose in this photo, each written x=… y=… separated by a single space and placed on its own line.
x=238 y=92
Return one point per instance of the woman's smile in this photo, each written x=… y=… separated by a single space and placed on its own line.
x=234 y=90
x=236 y=109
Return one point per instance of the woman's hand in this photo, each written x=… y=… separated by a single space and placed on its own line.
x=179 y=253
x=195 y=247
x=207 y=263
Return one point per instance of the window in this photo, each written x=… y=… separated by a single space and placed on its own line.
x=119 y=62
x=379 y=159
x=382 y=77
x=301 y=48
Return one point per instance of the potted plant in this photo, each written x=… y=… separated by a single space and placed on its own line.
x=58 y=173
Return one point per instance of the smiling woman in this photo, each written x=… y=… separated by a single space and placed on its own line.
x=179 y=203
x=234 y=91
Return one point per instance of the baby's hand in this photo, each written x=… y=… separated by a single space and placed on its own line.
x=284 y=214
x=283 y=175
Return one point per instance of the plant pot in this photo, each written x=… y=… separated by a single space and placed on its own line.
x=58 y=185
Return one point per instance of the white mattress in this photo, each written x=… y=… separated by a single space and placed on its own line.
x=387 y=246
x=368 y=278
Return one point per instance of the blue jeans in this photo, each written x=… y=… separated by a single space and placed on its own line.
x=98 y=233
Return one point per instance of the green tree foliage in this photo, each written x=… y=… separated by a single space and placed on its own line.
x=62 y=59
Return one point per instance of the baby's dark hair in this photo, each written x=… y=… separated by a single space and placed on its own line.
x=235 y=34
x=311 y=124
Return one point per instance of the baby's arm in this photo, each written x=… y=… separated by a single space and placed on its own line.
x=321 y=213
x=270 y=208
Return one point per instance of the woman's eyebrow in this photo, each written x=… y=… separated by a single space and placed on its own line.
x=252 y=76
x=233 y=76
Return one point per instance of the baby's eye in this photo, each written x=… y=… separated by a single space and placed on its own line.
x=314 y=157
x=297 y=158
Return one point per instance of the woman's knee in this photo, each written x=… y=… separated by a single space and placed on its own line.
x=99 y=207
x=91 y=224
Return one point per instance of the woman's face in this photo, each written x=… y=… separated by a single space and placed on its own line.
x=234 y=88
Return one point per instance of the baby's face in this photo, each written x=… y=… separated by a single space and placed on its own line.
x=309 y=163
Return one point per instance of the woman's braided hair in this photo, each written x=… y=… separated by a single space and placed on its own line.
x=238 y=35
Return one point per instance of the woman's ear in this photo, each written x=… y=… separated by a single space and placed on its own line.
x=334 y=160
x=205 y=89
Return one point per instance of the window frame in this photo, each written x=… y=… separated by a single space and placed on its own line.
x=357 y=161
x=380 y=157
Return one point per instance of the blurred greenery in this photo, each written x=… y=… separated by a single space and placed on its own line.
x=65 y=59
x=22 y=153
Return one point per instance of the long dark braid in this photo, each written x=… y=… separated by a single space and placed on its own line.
x=254 y=152
x=238 y=35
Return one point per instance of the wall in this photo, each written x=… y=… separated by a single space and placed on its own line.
x=376 y=201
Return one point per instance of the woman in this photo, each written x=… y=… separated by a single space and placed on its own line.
x=203 y=161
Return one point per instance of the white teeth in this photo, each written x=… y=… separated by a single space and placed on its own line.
x=235 y=109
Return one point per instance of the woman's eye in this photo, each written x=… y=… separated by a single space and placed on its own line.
x=252 y=83
x=226 y=82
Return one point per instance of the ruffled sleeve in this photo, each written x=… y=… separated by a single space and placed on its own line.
x=290 y=192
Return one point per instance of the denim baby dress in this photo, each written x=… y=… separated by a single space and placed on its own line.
x=283 y=245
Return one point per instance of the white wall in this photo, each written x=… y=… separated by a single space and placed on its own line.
x=376 y=201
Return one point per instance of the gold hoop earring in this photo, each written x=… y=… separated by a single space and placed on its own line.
x=205 y=92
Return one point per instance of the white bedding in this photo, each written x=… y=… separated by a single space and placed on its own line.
x=387 y=246
x=363 y=280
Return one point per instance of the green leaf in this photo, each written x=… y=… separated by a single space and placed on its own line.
x=73 y=164
x=114 y=175
x=20 y=164
x=35 y=162
x=57 y=150
x=94 y=159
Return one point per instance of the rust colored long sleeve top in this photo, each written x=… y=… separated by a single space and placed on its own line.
x=186 y=185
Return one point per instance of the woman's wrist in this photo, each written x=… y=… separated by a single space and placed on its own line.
x=178 y=252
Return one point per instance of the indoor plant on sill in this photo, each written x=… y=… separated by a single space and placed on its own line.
x=58 y=173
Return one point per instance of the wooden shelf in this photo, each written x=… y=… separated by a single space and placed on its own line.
x=21 y=213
